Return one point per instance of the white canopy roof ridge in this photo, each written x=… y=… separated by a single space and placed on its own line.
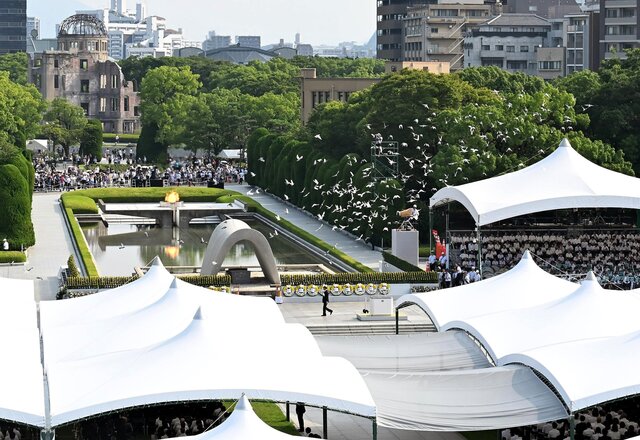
x=588 y=312
x=525 y=285
x=413 y=352
x=611 y=371
x=562 y=180
x=243 y=423
x=468 y=400
x=113 y=302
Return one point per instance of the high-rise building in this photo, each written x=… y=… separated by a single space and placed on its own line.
x=33 y=24
x=13 y=26
x=391 y=14
x=435 y=32
x=619 y=27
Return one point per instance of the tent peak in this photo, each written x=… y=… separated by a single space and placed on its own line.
x=565 y=143
x=156 y=262
x=174 y=283
x=243 y=403
x=526 y=255
x=591 y=277
x=198 y=314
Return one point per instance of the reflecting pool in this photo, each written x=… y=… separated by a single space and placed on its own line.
x=118 y=248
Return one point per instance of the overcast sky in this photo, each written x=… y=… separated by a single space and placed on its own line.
x=317 y=21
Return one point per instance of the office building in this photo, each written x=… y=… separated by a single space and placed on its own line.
x=13 y=26
x=435 y=32
x=214 y=41
x=33 y=27
x=248 y=41
x=390 y=25
x=619 y=27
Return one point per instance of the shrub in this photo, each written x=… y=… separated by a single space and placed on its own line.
x=149 y=195
x=148 y=147
x=97 y=282
x=399 y=263
x=15 y=201
x=12 y=257
x=364 y=278
x=79 y=204
x=72 y=268
x=78 y=236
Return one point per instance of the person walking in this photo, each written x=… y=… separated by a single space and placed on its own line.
x=325 y=301
x=300 y=410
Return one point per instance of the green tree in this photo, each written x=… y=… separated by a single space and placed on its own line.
x=21 y=110
x=91 y=140
x=17 y=65
x=64 y=123
x=16 y=185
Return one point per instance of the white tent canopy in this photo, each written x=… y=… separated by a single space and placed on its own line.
x=160 y=340
x=588 y=312
x=608 y=368
x=525 y=285
x=562 y=180
x=243 y=423
x=21 y=381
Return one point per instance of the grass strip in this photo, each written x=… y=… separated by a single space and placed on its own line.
x=83 y=248
x=12 y=257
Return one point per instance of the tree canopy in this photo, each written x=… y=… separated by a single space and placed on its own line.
x=64 y=123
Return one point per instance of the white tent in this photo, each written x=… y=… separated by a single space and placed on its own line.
x=589 y=372
x=588 y=312
x=243 y=423
x=562 y=180
x=21 y=384
x=525 y=285
x=175 y=342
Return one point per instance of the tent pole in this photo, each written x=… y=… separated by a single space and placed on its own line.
x=397 y=322
x=47 y=434
x=325 y=430
x=479 y=242
x=572 y=427
x=288 y=412
x=374 y=431
x=446 y=238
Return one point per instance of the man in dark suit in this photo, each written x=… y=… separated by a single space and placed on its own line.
x=300 y=410
x=325 y=301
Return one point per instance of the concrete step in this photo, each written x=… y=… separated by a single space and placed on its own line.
x=377 y=329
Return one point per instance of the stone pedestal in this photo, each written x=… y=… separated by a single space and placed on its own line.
x=404 y=245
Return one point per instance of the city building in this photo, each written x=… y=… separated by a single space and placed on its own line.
x=510 y=42
x=438 y=67
x=249 y=41
x=619 y=27
x=435 y=32
x=13 y=26
x=239 y=54
x=390 y=26
x=80 y=71
x=543 y=8
x=33 y=27
x=315 y=91
x=214 y=41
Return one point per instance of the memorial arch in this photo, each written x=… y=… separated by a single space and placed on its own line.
x=225 y=236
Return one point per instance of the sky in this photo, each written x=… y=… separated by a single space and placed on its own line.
x=317 y=21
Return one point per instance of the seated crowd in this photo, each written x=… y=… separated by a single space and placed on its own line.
x=597 y=423
x=612 y=255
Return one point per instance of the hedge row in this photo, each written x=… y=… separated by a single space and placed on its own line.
x=364 y=278
x=79 y=204
x=149 y=195
x=12 y=257
x=123 y=138
x=113 y=282
x=78 y=236
x=342 y=192
x=399 y=262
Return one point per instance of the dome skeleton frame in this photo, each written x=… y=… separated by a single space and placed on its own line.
x=82 y=24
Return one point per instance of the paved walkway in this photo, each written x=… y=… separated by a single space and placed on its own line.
x=347 y=427
x=52 y=249
x=344 y=242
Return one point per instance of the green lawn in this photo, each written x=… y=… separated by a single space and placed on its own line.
x=271 y=414
x=12 y=257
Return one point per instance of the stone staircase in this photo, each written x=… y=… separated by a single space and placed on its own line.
x=386 y=328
